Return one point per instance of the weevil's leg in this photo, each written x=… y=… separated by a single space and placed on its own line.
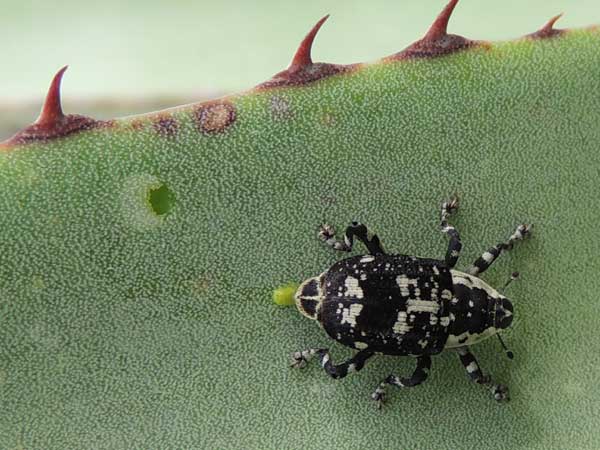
x=454 y=245
x=418 y=376
x=300 y=359
x=355 y=230
x=354 y=364
x=499 y=391
x=484 y=261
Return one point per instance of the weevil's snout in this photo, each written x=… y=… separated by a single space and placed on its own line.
x=308 y=297
x=504 y=313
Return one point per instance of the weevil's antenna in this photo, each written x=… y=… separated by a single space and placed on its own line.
x=509 y=354
x=513 y=277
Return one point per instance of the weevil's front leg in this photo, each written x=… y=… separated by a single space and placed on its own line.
x=418 y=376
x=354 y=364
x=499 y=391
x=484 y=261
x=454 y=246
x=354 y=230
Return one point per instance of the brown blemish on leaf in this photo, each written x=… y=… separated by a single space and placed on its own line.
x=215 y=117
x=166 y=126
x=302 y=70
x=280 y=108
x=137 y=124
x=437 y=41
x=548 y=30
x=52 y=122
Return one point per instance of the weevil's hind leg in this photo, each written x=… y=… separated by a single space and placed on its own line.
x=354 y=364
x=354 y=230
x=419 y=375
x=487 y=259
x=454 y=246
x=499 y=391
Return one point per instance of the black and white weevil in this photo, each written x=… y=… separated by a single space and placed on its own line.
x=394 y=304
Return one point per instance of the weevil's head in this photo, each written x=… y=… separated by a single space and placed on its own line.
x=309 y=297
x=503 y=312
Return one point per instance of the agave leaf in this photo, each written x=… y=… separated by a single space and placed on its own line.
x=139 y=258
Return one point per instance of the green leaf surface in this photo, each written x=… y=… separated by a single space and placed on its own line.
x=128 y=323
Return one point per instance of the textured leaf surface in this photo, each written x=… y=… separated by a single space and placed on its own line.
x=125 y=326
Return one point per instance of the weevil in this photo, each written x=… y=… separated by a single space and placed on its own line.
x=401 y=305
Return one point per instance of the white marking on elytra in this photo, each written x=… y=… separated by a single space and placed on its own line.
x=361 y=345
x=351 y=367
x=445 y=321
x=422 y=306
x=435 y=270
x=422 y=343
x=349 y=315
x=446 y=294
x=352 y=288
x=404 y=282
x=363 y=276
x=401 y=327
x=367 y=258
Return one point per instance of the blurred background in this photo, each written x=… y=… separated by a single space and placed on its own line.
x=135 y=56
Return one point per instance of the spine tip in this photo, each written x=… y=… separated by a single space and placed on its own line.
x=549 y=27
x=439 y=28
x=52 y=110
x=302 y=58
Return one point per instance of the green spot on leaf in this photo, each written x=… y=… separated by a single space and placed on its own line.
x=161 y=200
x=284 y=295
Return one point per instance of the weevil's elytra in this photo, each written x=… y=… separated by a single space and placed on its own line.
x=402 y=305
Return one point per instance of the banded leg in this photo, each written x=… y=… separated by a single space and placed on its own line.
x=454 y=246
x=418 y=376
x=484 y=261
x=499 y=391
x=354 y=364
x=354 y=230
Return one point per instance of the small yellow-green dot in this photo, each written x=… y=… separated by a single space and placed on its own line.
x=284 y=295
